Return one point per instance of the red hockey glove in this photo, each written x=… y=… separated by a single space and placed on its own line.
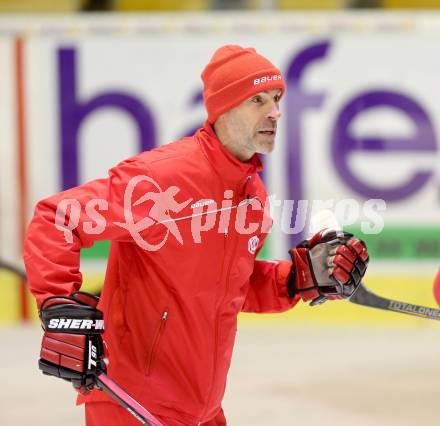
x=329 y=266
x=72 y=346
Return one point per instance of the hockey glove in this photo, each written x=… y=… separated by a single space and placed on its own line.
x=72 y=346
x=329 y=266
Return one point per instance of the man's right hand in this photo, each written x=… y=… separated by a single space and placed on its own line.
x=72 y=346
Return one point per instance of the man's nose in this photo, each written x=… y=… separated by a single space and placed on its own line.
x=274 y=112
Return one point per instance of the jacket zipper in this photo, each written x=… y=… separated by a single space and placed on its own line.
x=156 y=339
x=217 y=320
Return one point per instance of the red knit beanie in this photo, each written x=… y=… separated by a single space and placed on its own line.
x=234 y=74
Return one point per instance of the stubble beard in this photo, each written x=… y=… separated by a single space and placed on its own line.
x=263 y=146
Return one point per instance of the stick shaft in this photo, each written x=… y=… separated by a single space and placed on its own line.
x=129 y=403
x=365 y=297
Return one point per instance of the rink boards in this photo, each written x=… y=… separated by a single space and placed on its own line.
x=410 y=288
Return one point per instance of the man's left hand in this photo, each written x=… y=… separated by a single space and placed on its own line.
x=329 y=266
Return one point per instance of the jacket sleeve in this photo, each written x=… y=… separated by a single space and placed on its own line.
x=268 y=287
x=74 y=219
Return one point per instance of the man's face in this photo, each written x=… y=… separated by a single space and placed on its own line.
x=252 y=125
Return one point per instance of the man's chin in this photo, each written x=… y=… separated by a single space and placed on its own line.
x=266 y=148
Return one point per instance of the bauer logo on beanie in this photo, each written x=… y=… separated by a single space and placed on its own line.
x=233 y=75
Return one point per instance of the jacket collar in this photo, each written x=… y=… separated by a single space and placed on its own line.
x=229 y=168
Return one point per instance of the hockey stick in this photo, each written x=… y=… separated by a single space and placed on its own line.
x=363 y=296
x=129 y=403
x=14 y=269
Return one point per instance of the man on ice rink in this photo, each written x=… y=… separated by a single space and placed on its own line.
x=186 y=222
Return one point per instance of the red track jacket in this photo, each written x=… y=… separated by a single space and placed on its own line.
x=170 y=312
